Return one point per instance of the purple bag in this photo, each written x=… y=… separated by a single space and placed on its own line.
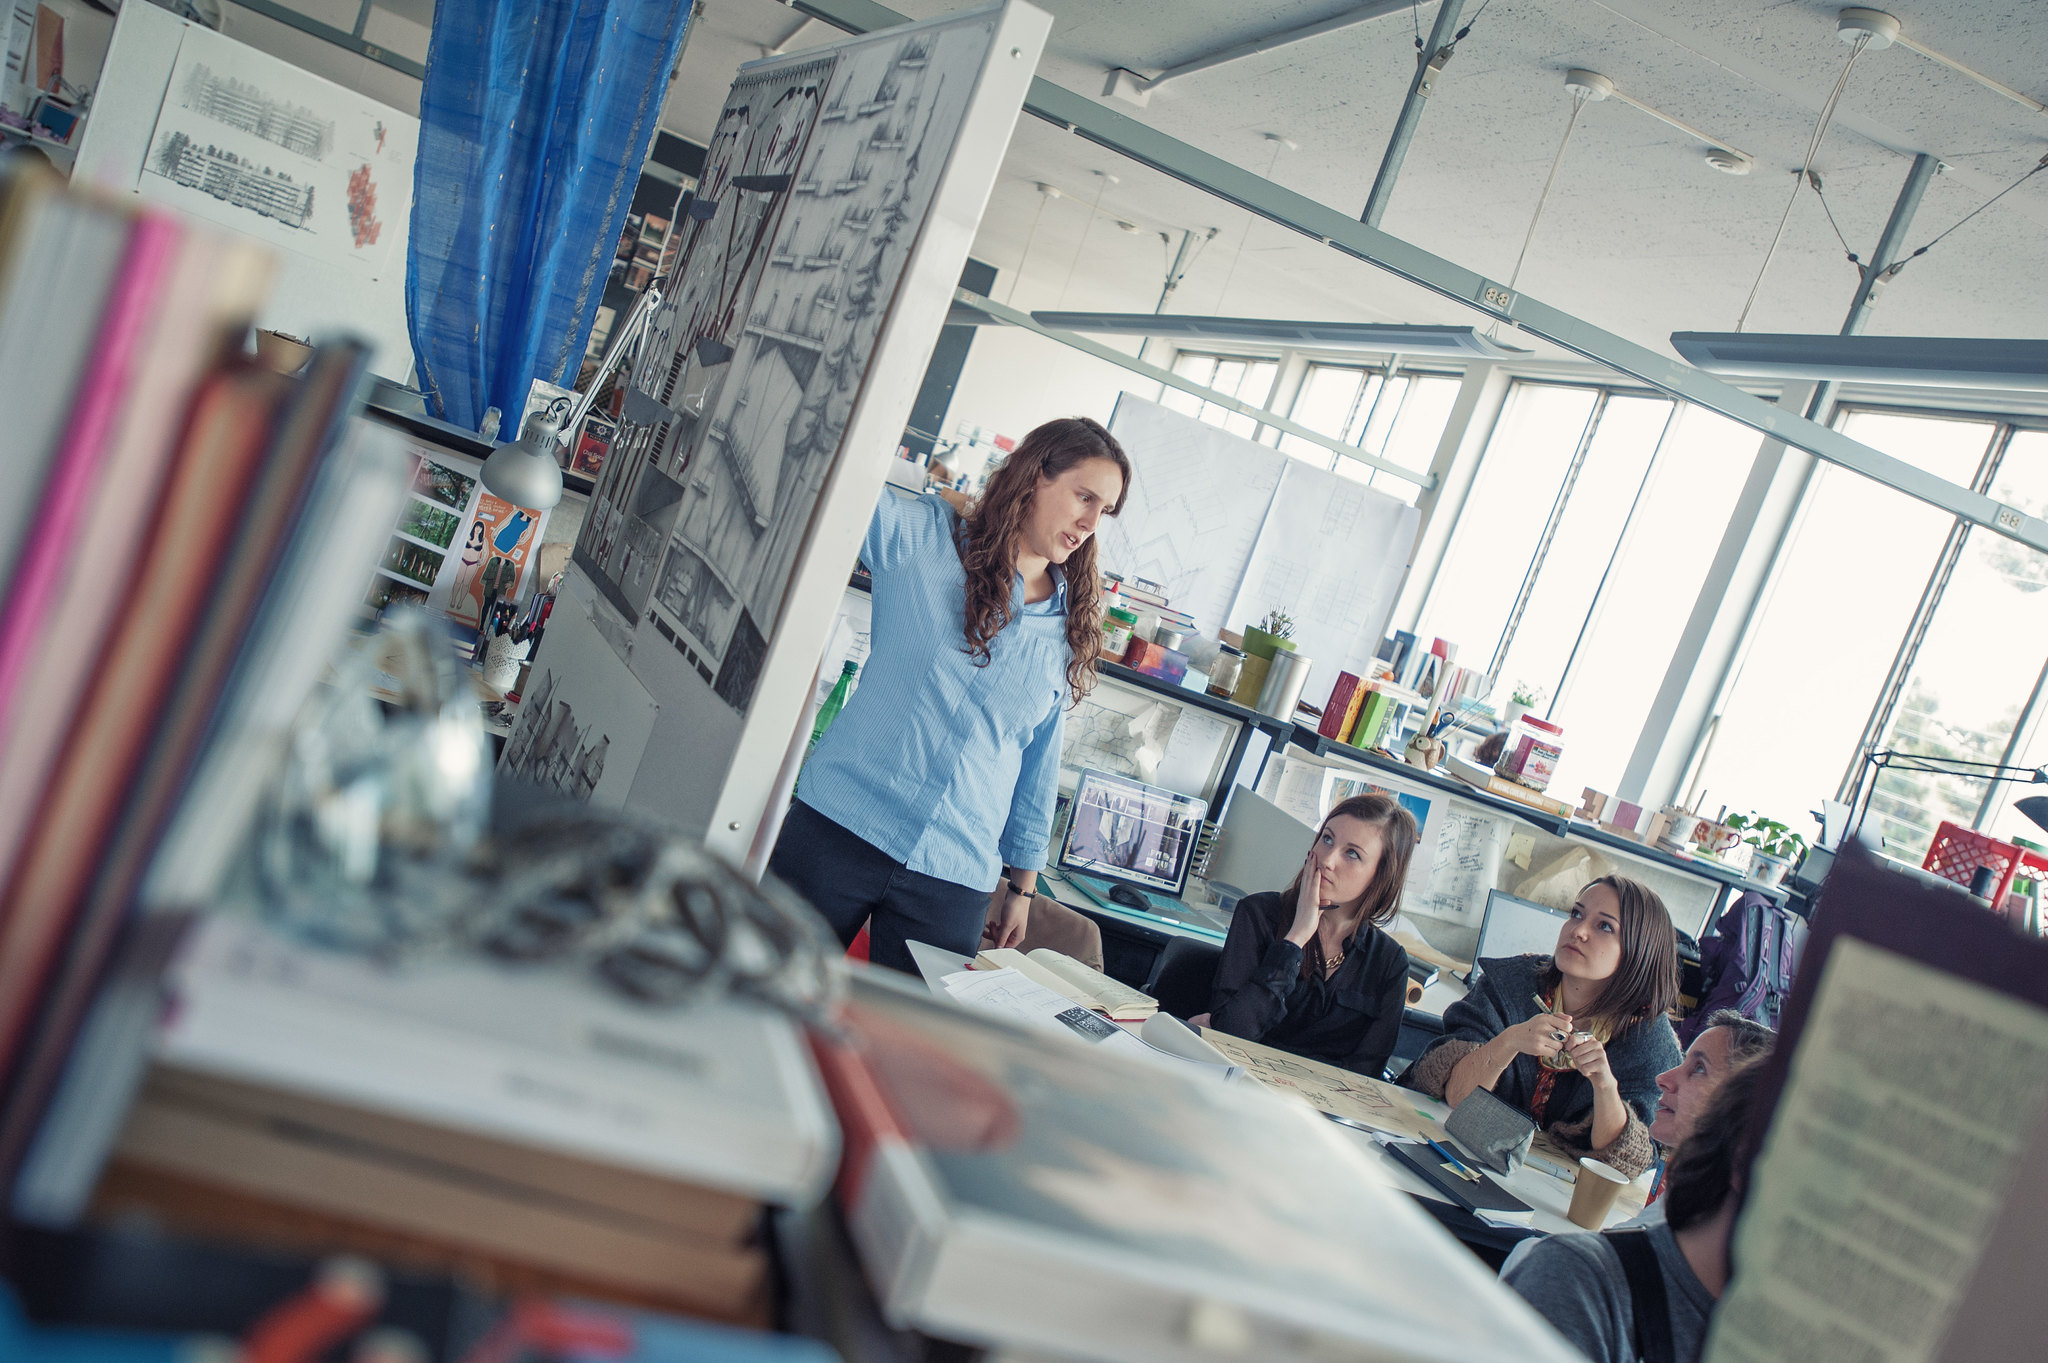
x=1746 y=963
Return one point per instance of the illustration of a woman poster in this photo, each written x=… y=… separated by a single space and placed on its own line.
x=503 y=538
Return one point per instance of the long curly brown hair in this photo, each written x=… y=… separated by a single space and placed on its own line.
x=990 y=531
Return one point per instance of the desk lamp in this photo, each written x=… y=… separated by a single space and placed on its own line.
x=526 y=472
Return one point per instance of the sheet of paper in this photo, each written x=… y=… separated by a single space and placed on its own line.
x=1013 y=995
x=1331 y=554
x=1338 y=1092
x=1909 y=1103
x=1198 y=495
x=1520 y=845
x=1467 y=865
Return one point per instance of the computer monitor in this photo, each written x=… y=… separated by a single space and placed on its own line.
x=1126 y=831
x=1517 y=927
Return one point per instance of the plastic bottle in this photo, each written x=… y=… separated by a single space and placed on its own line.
x=834 y=703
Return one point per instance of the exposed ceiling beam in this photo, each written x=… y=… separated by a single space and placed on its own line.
x=966 y=302
x=1428 y=63
x=1278 y=204
x=1209 y=61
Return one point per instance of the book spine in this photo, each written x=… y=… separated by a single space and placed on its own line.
x=1340 y=707
x=1352 y=710
x=38 y=574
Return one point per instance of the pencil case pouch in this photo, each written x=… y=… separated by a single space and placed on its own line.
x=1491 y=1131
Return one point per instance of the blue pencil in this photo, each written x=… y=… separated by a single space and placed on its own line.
x=1455 y=1162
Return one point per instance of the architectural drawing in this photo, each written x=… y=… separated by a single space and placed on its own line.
x=248 y=141
x=585 y=718
x=248 y=106
x=816 y=186
x=224 y=175
x=1198 y=496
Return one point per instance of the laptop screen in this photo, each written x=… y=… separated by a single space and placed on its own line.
x=1516 y=927
x=1125 y=830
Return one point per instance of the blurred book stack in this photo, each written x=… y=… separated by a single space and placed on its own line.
x=526 y=1126
x=180 y=532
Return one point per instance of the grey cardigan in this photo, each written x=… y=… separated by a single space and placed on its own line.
x=1505 y=994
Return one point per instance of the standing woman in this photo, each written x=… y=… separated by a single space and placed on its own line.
x=1575 y=1039
x=938 y=779
x=1308 y=969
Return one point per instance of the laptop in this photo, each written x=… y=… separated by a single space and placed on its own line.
x=1517 y=927
x=1135 y=837
x=1260 y=847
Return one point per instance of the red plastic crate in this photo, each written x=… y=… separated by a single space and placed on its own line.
x=1958 y=852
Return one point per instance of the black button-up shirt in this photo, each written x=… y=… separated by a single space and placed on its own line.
x=1350 y=1019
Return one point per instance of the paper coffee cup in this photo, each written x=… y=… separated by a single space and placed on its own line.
x=1593 y=1193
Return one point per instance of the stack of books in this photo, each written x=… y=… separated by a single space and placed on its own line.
x=524 y=1124
x=180 y=534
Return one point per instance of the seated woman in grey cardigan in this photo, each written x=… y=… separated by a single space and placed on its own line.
x=1575 y=1039
x=1307 y=969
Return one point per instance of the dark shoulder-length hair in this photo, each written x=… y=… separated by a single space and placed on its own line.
x=1382 y=898
x=1645 y=984
x=990 y=530
x=1703 y=1172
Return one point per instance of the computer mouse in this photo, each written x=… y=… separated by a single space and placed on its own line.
x=1128 y=897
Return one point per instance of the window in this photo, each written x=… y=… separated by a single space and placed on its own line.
x=1399 y=420
x=1973 y=669
x=1848 y=585
x=1501 y=526
x=1658 y=572
x=1582 y=551
x=1247 y=380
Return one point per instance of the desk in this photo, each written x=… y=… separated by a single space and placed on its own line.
x=1547 y=1194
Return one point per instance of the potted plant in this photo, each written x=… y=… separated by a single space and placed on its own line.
x=1274 y=631
x=1521 y=700
x=1261 y=642
x=1775 y=848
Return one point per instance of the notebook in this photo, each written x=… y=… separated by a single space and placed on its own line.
x=1480 y=1195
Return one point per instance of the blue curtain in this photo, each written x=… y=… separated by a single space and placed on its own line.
x=535 y=118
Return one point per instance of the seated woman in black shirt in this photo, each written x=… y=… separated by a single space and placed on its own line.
x=1307 y=969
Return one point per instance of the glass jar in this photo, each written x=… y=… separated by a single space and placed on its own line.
x=1530 y=754
x=1117 y=625
x=1223 y=674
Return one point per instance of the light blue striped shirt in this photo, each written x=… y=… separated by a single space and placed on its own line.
x=950 y=768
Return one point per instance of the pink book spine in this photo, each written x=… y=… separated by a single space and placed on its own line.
x=75 y=471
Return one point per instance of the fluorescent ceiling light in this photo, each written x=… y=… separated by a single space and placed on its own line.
x=1927 y=361
x=1400 y=339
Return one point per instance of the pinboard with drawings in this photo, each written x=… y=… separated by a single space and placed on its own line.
x=1232 y=528
x=189 y=118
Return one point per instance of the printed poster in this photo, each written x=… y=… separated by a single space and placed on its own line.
x=253 y=143
x=454 y=544
x=585 y=718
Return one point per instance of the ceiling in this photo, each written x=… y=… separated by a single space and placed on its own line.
x=1641 y=236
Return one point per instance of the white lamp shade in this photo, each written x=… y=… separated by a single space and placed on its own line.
x=526 y=472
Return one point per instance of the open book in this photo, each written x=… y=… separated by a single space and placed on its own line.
x=1062 y=974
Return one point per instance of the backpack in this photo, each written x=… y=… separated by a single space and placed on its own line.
x=1747 y=964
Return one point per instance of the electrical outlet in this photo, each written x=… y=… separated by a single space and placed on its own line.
x=2008 y=518
x=1492 y=295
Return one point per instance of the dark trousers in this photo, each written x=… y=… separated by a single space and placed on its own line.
x=850 y=881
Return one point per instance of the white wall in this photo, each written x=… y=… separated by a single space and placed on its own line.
x=1015 y=379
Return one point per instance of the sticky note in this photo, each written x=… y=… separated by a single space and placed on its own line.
x=1520 y=846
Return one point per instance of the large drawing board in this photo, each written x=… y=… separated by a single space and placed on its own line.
x=315 y=170
x=842 y=190
x=1232 y=528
